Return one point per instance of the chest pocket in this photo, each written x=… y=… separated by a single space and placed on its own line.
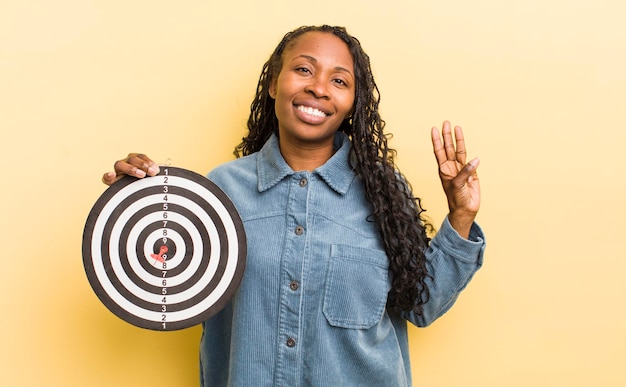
x=357 y=283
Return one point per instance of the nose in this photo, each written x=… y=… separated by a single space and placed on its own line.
x=318 y=87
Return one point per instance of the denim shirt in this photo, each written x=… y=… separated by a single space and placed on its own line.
x=311 y=307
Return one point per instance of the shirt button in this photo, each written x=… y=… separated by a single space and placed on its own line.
x=299 y=230
x=303 y=182
x=293 y=285
x=291 y=342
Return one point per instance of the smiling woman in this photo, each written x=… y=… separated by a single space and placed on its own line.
x=339 y=258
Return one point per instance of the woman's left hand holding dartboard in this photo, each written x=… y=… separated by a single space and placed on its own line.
x=135 y=164
x=163 y=247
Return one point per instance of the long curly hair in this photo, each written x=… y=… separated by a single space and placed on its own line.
x=398 y=214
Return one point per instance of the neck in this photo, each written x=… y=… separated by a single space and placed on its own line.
x=305 y=157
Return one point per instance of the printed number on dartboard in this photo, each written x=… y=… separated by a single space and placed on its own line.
x=164 y=271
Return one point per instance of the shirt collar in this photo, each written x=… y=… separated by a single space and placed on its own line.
x=336 y=172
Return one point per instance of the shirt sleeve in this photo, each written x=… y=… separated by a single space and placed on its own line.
x=452 y=261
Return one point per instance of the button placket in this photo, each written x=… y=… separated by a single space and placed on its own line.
x=291 y=318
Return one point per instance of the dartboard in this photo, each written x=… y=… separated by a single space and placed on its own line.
x=164 y=252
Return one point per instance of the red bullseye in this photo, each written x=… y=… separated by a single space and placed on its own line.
x=159 y=257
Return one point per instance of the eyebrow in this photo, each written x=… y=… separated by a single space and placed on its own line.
x=314 y=60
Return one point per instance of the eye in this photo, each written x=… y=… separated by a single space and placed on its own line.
x=340 y=82
x=303 y=70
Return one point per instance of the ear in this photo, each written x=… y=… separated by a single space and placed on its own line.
x=272 y=90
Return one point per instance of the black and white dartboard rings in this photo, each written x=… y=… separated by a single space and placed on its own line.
x=164 y=252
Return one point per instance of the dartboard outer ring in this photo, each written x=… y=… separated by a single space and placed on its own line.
x=131 y=229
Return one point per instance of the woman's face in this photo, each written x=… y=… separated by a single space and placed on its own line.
x=314 y=90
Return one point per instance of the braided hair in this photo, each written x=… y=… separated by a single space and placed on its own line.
x=398 y=214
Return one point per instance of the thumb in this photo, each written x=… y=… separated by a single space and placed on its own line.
x=109 y=178
x=469 y=170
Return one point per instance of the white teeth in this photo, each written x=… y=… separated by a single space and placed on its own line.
x=311 y=111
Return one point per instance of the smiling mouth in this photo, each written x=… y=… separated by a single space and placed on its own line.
x=312 y=111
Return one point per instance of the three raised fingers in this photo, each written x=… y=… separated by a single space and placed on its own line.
x=452 y=149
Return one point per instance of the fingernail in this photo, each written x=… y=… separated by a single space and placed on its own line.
x=153 y=170
x=140 y=173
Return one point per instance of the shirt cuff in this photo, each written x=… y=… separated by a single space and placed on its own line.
x=469 y=250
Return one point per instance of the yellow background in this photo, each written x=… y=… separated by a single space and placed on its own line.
x=539 y=87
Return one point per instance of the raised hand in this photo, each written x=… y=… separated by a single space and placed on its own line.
x=458 y=178
x=135 y=164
